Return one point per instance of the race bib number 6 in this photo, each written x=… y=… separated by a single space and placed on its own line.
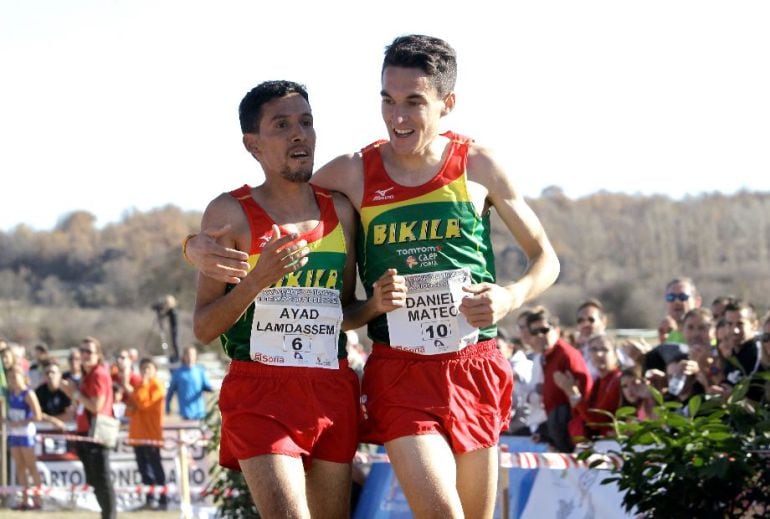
x=296 y=327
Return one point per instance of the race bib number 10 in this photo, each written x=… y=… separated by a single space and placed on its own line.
x=430 y=322
x=296 y=327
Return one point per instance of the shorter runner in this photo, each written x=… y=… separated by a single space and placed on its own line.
x=289 y=402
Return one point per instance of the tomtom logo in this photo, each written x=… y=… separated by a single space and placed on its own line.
x=382 y=194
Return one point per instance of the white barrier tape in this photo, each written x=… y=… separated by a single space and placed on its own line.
x=525 y=460
x=169 y=490
x=166 y=443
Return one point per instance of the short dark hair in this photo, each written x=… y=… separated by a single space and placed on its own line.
x=541 y=313
x=250 y=109
x=703 y=313
x=741 y=306
x=591 y=302
x=684 y=281
x=145 y=361
x=432 y=55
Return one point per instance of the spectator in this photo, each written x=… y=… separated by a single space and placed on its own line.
x=591 y=321
x=681 y=297
x=741 y=319
x=42 y=357
x=635 y=392
x=189 y=381
x=532 y=392
x=145 y=409
x=632 y=353
x=75 y=373
x=702 y=365
x=123 y=374
x=6 y=361
x=666 y=328
x=23 y=412
x=356 y=353
x=562 y=363
x=719 y=304
x=55 y=405
x=20 y=355
x=133 y=355
x=94 y=397
x=604 y=394
x=514 y=350
x=764 y=362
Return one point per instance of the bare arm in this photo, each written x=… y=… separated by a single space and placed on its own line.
x=34 y=405
x=344 y=174
x=215 y=260
x=489 y=302
x=227 y=264
x=215 y=310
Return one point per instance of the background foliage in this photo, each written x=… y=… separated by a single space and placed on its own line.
x=76 y=279
x=708 y=459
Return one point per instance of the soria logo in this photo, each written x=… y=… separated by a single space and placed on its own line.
x=383 y=194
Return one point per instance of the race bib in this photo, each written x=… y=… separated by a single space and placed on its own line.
x=430 y=322
x=296 y=327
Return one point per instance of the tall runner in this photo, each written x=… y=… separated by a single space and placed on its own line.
x=436 y=392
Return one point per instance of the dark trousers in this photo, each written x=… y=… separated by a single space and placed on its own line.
x=96 y=465
x=558 y=432
x=150 y=468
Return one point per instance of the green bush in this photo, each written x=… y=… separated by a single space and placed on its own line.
x=708 y=459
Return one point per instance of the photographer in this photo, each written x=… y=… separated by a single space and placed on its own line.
x=165 y=308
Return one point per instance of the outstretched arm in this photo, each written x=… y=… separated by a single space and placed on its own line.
x=489 y=302
x=216 y=261
x=215 y=310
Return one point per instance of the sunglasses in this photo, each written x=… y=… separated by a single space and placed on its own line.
x=86 y=352
x=582 y=320
x=671 y=297
x=598 y=350
x=540 y=331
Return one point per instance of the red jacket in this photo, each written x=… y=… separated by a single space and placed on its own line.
x=563 y=357
x=605 y=395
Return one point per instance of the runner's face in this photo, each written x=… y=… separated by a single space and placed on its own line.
x=411 y=109
x=285 y=144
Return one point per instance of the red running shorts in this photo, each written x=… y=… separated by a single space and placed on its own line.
x=299 y=412
x=464 y=396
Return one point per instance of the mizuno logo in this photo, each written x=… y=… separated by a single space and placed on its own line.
x=382 y=194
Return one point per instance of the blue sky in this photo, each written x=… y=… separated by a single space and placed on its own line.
x=112 y=105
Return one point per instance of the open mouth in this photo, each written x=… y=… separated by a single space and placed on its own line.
x=403 y=133
x=299 y=154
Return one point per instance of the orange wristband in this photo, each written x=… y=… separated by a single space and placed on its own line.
x=184 y=248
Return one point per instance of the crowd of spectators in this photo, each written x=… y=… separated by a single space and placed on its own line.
x=569 y=378
x=42 y=392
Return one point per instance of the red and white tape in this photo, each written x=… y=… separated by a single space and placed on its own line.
x=166 y=443
x=526 y=460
